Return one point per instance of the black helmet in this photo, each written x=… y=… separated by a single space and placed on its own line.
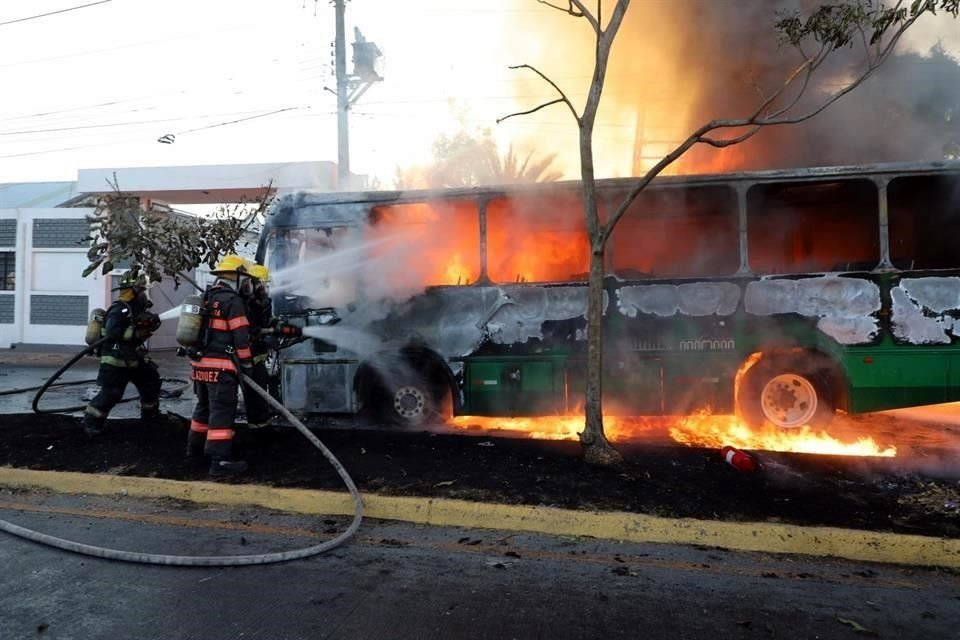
x=132 y=279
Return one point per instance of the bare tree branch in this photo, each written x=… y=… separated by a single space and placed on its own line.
x=576 y=9
x=534 y=110
x=604 y=46
x=768 y=102
x=755 y=121
x=569 y=9
x=817 y=61
x=884 y=53
x=866 y=45
x=718 y=143
x=654 y=171
x=563 y=97
x=593 y=20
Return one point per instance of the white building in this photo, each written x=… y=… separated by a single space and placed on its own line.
x=44 y=300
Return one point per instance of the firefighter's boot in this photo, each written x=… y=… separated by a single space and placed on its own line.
x=149 y=412
x=221 y=467
x=195 y=443
x=93 y=420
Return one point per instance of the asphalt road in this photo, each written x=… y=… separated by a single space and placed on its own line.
x=400 y=581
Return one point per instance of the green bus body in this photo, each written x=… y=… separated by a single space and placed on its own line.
x=874 y=324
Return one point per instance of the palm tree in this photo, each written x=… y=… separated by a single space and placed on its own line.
x=509 y=171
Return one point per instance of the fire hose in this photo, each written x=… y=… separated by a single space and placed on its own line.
x=51 y=382
x=205 y=561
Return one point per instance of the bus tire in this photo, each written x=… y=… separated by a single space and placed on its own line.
x=787 y=392
x=411 y=399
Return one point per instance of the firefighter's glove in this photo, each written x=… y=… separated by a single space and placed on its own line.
x=145 y=324
x=289 y=330
x=280 y=328
x=246 y=368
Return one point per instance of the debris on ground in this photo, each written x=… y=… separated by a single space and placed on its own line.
x=933 y=497
x=856 y=626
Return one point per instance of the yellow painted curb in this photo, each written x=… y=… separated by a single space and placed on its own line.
x=631 y=527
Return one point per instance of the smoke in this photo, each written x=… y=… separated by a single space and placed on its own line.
x=678 y=65
x=364 y=270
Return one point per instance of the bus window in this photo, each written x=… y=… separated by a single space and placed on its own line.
x=924 y=222
x=676 y=233
x=537 y=238
x=819 y=226
x=426 y=243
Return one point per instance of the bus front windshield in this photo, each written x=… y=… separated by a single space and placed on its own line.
x=320 y=266
x=403 y=249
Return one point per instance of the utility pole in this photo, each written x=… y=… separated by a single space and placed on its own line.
x=343 y=100
x=366 y=58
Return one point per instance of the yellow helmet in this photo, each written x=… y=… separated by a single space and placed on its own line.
x=232 y=264
x=259 y=272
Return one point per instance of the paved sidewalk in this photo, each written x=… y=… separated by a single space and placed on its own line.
x=20 y=368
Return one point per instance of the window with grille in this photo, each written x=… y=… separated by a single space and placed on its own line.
x=8 y=270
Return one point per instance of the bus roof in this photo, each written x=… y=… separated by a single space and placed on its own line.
x=309 y=198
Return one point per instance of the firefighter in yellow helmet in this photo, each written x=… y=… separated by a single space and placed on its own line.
x=224 y=355
x=260 y=313
x=123 y=356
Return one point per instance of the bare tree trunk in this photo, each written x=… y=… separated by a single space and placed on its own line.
x=596 y=448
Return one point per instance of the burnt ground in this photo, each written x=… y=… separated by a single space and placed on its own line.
x=872 y=494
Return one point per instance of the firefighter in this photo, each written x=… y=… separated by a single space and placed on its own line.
x=224 y=354
x=123 y=357
x=260 y=313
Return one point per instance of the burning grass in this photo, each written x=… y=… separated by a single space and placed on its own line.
x=700 y=430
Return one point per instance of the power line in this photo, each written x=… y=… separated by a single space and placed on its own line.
x=132 y=45
x=51 y=13
x=128 y=123
x=223 y=124
x=138 y=138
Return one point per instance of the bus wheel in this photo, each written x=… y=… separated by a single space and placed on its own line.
x=787 y=393
x=410 y=401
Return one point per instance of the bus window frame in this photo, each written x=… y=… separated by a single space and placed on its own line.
x=609 y=200
x=888 y=181
x=879 y=216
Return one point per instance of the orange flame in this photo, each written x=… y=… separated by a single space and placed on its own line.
x=700 y=430
x=456 y=272
x=529 y=239
x=706 y=430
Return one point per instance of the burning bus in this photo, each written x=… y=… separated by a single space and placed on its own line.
x=783 y=295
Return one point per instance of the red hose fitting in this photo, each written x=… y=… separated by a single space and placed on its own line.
x=290 y=330
x=738 y=459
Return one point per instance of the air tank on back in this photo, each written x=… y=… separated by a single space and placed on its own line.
x=190 y=323
x=94 y=326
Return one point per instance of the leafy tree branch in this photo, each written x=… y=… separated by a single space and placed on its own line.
x=161 y=244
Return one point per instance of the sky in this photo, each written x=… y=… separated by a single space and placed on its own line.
x=97 y=86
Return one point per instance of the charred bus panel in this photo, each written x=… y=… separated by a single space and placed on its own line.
x=480 y=295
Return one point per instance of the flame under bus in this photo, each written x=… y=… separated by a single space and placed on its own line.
x=845 y=280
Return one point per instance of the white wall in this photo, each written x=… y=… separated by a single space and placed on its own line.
x=53 y=272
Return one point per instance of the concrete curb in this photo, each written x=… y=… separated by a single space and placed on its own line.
x=742 y=536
